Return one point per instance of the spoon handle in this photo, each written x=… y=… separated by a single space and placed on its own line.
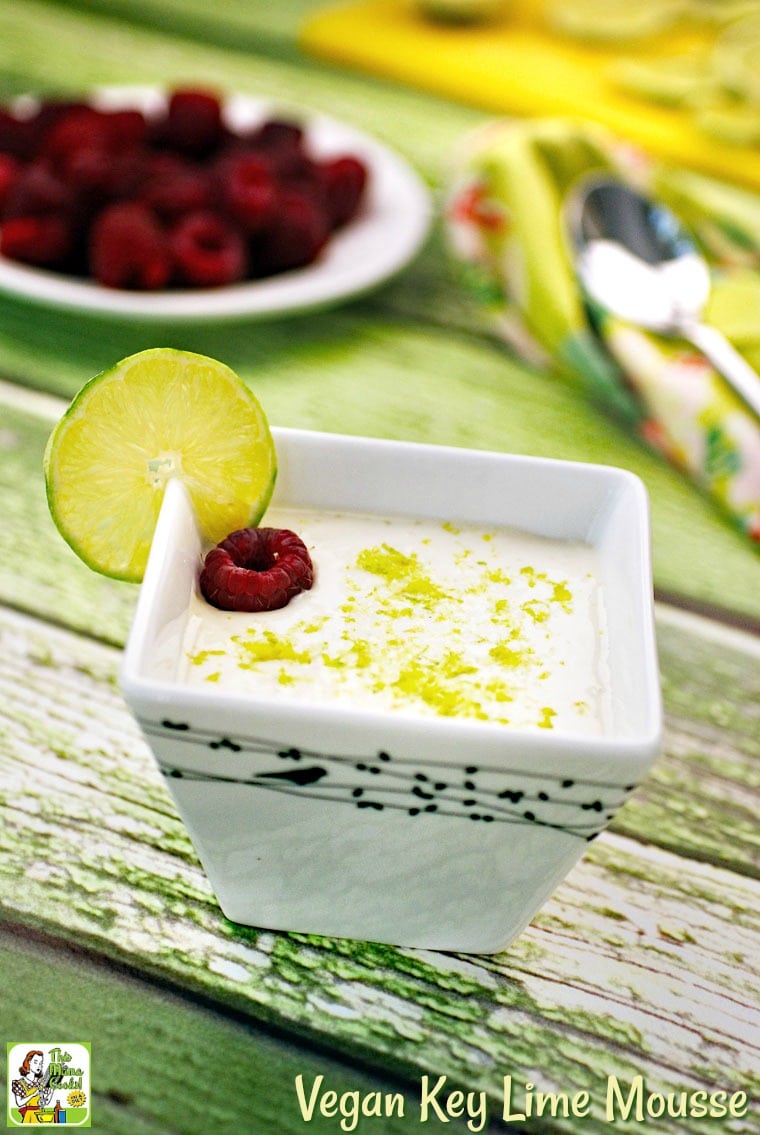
x=727 y=361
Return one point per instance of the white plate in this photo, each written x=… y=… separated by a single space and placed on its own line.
x=382 y=239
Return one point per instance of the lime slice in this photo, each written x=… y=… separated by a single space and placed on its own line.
x=719 y=12
x=599 y=20
x=736 y=58
x=736 y=125
x=677 y=80
x=462 y=11
x=158 y=414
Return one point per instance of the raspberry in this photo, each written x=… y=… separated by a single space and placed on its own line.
x=96 y=151
x=276 y=133
x=16 y=135
x=46 y=211
x=283 y=144
x=10 y=169
x=208 y=251
x=174 y=189
x=248 y=191
x=128 y=248
x=309 y=181
x=344 y=180
x=256 y=569
x=37 y=190
x=125 y=128
x=296 y=236
x=48 y=113
x=65 y=126
x=162 y=163
x=103 y=173
x=193 y=122
x=73 y=130
x=43 y=240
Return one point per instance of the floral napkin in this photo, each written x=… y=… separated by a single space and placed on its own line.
x=506 y=222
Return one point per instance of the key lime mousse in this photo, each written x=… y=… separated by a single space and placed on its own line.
x=422 y=617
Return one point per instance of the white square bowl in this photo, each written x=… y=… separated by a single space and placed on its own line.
x=288 y=849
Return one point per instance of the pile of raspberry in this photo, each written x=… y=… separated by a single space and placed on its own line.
x=171 y=200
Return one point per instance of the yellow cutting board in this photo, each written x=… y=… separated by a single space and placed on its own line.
x=517 y=66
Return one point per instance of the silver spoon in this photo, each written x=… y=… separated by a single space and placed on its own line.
x=635 y=259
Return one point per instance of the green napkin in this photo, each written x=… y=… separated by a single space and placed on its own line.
x=505 y=221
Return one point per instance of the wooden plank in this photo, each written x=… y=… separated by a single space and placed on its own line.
x=711 y=689
x=238 y=24
x=629 y=968
x=39 y=572
x=162 y=1062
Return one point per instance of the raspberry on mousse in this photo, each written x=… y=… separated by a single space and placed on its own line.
x=256 y=569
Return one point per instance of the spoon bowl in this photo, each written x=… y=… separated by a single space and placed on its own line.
x=636 y=260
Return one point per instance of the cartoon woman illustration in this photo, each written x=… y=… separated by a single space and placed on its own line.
x=31 y=1091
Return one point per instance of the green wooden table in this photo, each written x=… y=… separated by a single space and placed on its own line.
x=644 y=963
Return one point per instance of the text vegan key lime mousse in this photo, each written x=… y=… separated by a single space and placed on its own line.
x=422 y=617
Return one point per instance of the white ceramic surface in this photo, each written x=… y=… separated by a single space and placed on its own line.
x=439 y=833
x=384 y=236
